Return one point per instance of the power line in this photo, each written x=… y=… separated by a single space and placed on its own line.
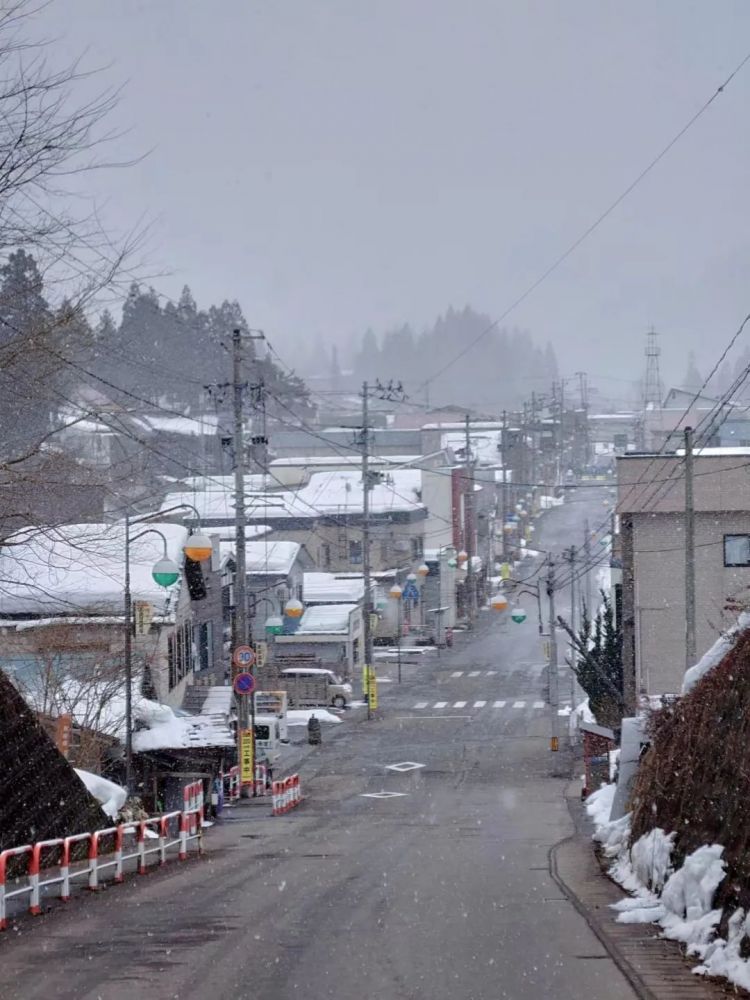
x=591 y=228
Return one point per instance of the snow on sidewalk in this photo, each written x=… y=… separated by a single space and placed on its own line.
x=678 y=899
x=301 y=716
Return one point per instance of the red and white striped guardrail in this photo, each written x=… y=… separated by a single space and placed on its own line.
x=174 y=829
x=287 y=794
x=234 y=783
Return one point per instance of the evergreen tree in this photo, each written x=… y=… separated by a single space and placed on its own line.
x=597 y=650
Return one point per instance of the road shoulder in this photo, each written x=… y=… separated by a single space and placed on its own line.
x=654 y=967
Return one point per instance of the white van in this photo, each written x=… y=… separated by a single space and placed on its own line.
x=267 y=737
x=338 y=692
x=274 y=703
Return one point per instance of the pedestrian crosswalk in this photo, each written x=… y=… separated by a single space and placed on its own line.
x=474 y=673
x=512 y=703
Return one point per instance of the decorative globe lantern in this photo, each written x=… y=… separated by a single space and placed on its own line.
x=198 y=547
x=274 y=625
x=396 y=592
x=423 y=570
x=463 y=555
x=518 y=615
x=508 y=526
x=165 y=572
x=453 y=562
x=293 y=608
x=499 y=602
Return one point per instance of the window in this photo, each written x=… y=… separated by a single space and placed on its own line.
x=737 y=550
x=325 y=556
x=355 y=553
x=417 y=547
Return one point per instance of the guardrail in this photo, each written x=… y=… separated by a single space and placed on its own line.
x=287 y=794
x=173 y=829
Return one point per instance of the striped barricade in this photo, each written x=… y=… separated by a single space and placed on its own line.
x=287 y=794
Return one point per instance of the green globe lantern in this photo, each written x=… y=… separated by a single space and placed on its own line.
x=518 y=615
x=274 y=625
x=165 y=572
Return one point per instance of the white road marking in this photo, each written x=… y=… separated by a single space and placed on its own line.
x=421 y=704
x=460 y=704
x=441 y=704
x=499 y=704
x=427 y=718
x=473 y=673
x=382 y=795
x=491 y=673
x=406 y=765
x=457 y=673
x=538 y=704
x=519 y=704
x=479 y=704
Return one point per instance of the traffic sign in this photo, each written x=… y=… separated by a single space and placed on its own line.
x=244 y=684
x=411 y=593
x=243 y=656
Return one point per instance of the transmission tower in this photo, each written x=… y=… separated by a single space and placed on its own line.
x=653 y=390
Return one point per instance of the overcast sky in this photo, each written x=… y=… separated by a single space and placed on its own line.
x=338 y=164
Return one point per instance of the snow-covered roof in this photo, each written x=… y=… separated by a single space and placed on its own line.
x=311 y=462
x=206 y=424
x=328 y=618
x=220 y=484
x=485 y=447
x=167 y=731
x=338 y=492
x=81 y=567
x=267 y=558
x=327 y=588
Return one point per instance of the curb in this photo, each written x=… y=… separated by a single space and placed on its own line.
x=654 y=967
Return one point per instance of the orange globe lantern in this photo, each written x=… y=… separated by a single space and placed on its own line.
x=293 y=608
x=463 y=555
x=423 y=570
x=198 y=547
x=499 y=602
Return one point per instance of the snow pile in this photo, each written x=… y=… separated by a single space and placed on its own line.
x=301 y=716
x=167 y=731
x=110 y=796
x=679 y=899
x=713 y=657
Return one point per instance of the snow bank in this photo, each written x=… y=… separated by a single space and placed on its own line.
x=713 y=657
x=110 y=796
x=680 y=900
x=301 y=716
x=167 y=731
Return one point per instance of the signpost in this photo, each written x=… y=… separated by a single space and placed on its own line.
x=372 y=689
x=243 y=684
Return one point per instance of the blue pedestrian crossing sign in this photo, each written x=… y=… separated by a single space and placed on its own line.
x=411 y=592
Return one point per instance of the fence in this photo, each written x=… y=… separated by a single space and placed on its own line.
x=124 y=842
x=287 y=794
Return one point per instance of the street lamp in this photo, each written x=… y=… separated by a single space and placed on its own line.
x=165 y=573
x=294 y=608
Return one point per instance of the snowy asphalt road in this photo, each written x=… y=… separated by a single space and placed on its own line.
x=437 y=893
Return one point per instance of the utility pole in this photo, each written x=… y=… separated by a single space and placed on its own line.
x=128 y=664
x=690 y=653
x=242 y=636
x=367 y=603
x=572 y=553
x=532 y=457
x=587 y=565
x=469 y=522
x=504 y=486
x=554 y=694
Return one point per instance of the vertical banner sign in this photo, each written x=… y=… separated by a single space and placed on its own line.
x=246 y=757
x=365 y=680
x=505 y=571
x=261 y=654
x=143 y=612
x=372 y=689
